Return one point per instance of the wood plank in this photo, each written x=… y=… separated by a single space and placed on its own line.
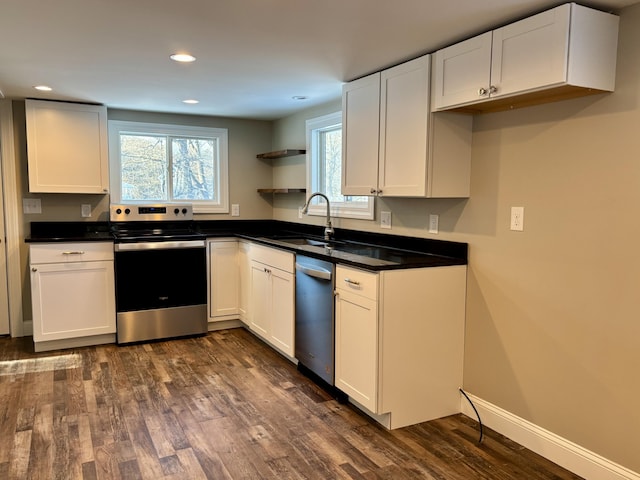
x=221 y=406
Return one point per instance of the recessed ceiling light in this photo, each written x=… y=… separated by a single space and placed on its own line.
x=182 y=57
x=299 y=97
x=191 y=101
x=43 y=88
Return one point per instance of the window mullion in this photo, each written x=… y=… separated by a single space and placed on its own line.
x=169 y=172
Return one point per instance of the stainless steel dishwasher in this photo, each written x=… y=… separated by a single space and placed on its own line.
x=314 y=338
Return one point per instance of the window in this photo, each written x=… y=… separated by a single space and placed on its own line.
x=324 y=170
x=153 y=163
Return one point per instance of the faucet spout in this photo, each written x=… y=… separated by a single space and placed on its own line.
x=328 y=229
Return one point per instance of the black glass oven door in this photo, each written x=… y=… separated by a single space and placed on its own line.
x=160 y=278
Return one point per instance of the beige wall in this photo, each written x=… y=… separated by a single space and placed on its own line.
x=553 y=312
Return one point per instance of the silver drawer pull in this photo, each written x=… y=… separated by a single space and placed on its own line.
x=78 y=252
x=352 y=282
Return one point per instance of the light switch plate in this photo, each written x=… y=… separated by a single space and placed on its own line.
x=31 y=205
x=85 y=210
x=235 y=210
x=385 y=219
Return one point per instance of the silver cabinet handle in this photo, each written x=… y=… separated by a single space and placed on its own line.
x=77 y=252
x=493 y=89
x=351 y=282
x=373 y=190
x=482 y=92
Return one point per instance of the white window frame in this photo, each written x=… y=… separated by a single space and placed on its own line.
x=117 y=127
x=363 y=210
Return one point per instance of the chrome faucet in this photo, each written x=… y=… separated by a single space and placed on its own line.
x=328 y=229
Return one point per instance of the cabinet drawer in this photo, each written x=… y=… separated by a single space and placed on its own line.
x=70 y=252
x=357 y=281
x=273 y=257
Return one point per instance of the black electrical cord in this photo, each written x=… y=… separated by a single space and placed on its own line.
x=474 y=409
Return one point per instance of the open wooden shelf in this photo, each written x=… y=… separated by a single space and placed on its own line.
x=280 y=154
x=282 y=190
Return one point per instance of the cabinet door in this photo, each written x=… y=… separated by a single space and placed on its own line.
x=67 y=147
x=72 y=300
x=223 y=278
x=282 y=313
x=404 y=127
x=531 y=53
x=462 y=72
x=357 y=348
x=260 y=320
x=360 y=132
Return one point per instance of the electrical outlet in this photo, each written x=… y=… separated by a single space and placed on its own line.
x=433 y=223
x=517 y=219
x=235 y=210
x=385 y=219
x=299 y=212
x=85 y=210
x=31 y=205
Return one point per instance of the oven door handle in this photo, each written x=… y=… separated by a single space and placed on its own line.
x=124 y=247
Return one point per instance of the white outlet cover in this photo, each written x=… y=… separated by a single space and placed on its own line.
x=517 y=219
x=433 y=223
x=235 y=210
x=385 y=219
x=85 y=210
x=31 y=205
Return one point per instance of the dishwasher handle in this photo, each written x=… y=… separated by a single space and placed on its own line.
x=315 y=272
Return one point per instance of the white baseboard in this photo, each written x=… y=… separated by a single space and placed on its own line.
x=559 y=450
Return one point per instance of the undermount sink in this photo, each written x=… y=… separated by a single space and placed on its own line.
x=301 y=241
x=342 y=250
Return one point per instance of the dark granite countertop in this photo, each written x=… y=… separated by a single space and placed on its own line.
x=372 y=251
x=42 y=232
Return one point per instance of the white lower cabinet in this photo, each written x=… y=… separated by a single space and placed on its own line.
x=224 y=279
x=272 y=297
x=73 y=294
x=356 y=336
x=399 y=341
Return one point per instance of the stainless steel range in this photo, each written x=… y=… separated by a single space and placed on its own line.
x=160 y=269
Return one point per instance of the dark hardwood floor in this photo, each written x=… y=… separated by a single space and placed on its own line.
x=222 y=406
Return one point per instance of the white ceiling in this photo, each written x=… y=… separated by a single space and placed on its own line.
x=253 y=56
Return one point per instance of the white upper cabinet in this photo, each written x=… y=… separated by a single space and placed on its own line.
x=67 y=147
x=461 y=71
x=394 y=146
x=361 y=128
x=564 y=52
x=404 y=126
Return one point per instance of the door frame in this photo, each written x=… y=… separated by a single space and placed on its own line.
x=12 y=231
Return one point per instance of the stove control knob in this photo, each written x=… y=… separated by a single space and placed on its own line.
x=184 y=211
x=176 y=211
x=118 y=211
x=127 y=211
